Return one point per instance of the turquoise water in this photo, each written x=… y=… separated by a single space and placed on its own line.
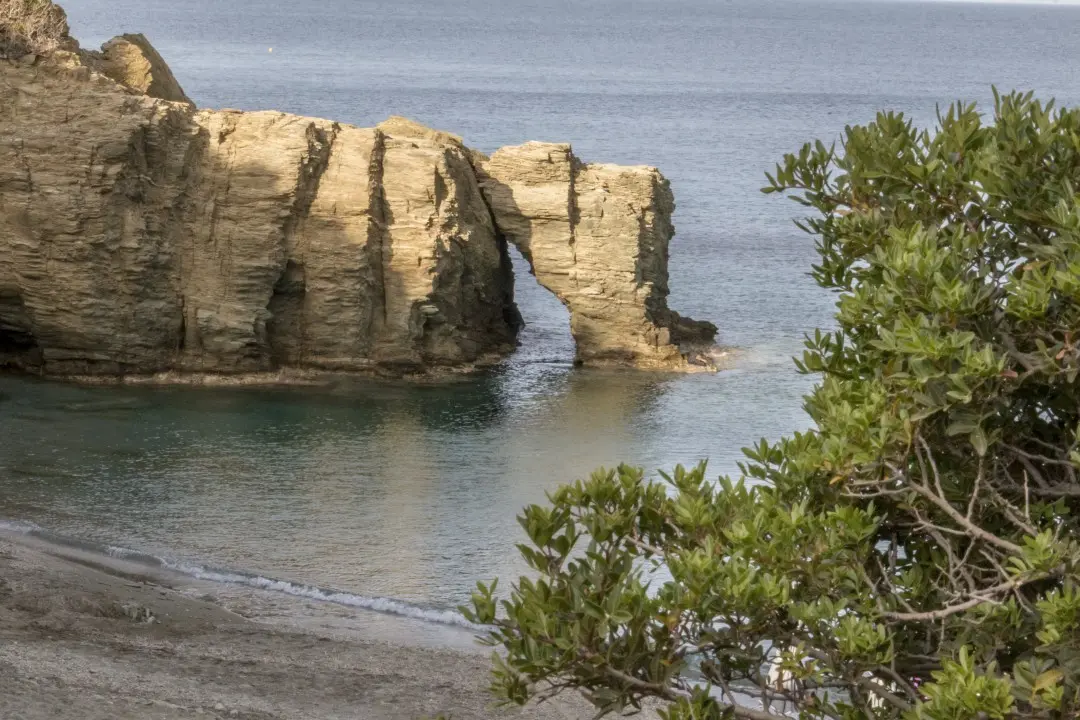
x=408 y=492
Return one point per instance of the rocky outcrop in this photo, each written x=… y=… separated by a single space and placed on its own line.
x=305 y=243
x=89 y=178
x=142 y=236
x=597 y=236
x=132 y=61
x=139 y=235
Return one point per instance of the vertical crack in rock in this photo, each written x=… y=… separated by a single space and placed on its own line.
x=511 y=314
x=573 y=211
x=178 y=237
x=440 y=191
x=286 y=325
x=378 y=232
x=180 y=214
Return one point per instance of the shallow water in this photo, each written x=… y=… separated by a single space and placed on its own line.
x=409 y=491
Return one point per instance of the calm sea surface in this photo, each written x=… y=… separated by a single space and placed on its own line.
x=408 y=492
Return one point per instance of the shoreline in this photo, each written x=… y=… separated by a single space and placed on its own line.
x=227 y=584
x=719 y=358
x=86 y=636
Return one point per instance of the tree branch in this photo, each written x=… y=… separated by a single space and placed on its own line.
x=944 y=505
x=672 y=695
x=961 y=607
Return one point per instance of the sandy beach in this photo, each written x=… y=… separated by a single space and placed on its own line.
x=87 y=637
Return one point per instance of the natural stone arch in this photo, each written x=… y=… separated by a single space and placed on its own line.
x=597 y=237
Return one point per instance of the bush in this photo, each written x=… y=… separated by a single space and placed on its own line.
x=31 y=26
x=916 y=554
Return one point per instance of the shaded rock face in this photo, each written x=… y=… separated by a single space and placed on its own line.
x=305 y=243
x=597 y=236
x=139 y=235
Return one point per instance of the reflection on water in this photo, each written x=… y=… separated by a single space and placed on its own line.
x=411 y=491
x=398 y=490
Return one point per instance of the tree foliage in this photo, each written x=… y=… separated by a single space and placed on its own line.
x=915 y=555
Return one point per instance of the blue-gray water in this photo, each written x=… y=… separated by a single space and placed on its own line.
x=410 y=492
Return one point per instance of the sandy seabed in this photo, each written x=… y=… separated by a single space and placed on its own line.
x=86 y=637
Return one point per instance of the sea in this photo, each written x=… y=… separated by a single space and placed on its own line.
x=396 y=497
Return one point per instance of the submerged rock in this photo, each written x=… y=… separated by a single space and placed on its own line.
x=139 y=235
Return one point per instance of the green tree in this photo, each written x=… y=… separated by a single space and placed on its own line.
x=915 y=555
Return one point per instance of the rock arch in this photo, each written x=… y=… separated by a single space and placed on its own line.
x=597 y=237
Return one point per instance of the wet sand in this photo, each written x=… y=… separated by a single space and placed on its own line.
x=86 y=637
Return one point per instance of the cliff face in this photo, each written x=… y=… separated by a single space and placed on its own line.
x=138 y=235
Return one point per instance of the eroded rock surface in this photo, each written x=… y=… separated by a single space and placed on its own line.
x=142 y=236
x=89 y=180
x=597 y=236
x=132 y=61
x=139 y=235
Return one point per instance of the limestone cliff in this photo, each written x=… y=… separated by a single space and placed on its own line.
x=140 y=235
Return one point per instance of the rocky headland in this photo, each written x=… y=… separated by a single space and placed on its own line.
x=141 y=235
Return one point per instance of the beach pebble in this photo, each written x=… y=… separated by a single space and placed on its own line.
x=219 y=707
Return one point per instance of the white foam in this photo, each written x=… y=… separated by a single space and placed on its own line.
x=121 y=552
x=378 y=604
x=19 y=526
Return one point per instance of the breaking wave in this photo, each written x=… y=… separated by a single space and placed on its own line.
x=385 y=605
x=338 y=597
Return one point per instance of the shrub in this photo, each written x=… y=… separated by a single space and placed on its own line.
x=31 y=26
x=916 y=554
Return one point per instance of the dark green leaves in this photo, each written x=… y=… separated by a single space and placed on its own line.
x=915 y=555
